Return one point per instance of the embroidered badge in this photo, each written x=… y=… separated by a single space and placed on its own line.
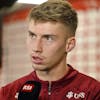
x=74 y=95
x=16 y=95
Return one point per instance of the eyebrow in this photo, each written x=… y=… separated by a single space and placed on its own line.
x=31 y=32
x=44 y=35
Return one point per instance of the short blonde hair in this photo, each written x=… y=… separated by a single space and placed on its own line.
x=56 y=11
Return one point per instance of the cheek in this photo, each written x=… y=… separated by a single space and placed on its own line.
x=29 y=45
x=60 y=52
x=56 y=51
x=61 y=48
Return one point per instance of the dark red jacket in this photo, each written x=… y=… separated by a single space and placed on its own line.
x=73 y=86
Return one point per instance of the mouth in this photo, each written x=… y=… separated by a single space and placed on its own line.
x=37 y=60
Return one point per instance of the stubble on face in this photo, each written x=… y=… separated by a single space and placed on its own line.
x=54 y=55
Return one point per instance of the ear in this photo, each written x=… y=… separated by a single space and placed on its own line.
x=70 y=44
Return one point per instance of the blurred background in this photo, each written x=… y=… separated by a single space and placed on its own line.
x=14 y=58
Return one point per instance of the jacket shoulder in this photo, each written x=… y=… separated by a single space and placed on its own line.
x=89 y=81
x=13 y=87
x=90 y=85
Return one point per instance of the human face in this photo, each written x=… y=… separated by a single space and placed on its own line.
x=47 y=45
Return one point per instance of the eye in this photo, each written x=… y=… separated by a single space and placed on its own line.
x=49 y=38
x=32 y=35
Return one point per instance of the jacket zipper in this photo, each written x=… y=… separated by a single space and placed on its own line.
x=49 y=89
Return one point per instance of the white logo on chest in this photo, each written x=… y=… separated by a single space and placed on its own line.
x=74 y=95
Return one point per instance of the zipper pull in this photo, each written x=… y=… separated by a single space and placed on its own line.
x=49 y=89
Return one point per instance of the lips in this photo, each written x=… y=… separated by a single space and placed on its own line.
x=37 y=60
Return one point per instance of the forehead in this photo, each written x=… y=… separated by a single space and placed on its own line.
x=47 y=27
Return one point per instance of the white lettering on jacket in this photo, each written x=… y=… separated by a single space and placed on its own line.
x=74 y=95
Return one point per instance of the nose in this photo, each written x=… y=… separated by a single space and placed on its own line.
x=37 y=45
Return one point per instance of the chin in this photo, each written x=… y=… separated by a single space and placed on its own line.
x=40 y=68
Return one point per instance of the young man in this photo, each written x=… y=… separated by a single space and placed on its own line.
x=51 y=36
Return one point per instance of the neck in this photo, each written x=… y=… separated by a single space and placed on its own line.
x=53 y=74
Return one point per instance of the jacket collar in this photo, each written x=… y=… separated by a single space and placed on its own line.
x=61 y=82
